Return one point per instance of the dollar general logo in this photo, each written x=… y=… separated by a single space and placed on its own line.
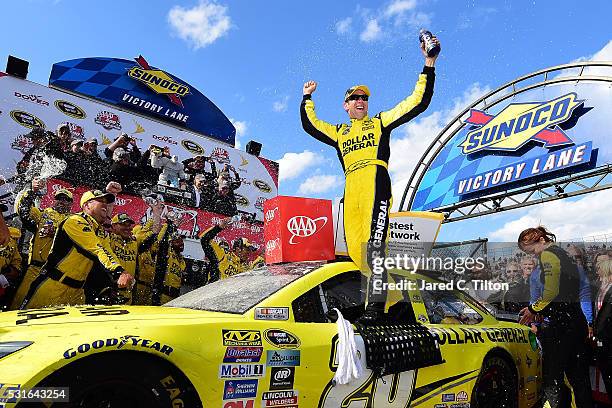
x=159 y=81
x=241 y=338
x=520 y=123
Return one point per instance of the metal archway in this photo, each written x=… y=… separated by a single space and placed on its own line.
x=557 y=188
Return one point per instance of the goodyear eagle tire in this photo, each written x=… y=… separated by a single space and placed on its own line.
x=122 y=380
x=496 y=386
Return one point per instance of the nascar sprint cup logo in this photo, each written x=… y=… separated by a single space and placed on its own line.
x=520 y=123
x=70 y=109
x=26 y=119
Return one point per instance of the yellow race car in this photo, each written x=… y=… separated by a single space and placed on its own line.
x=267 y=338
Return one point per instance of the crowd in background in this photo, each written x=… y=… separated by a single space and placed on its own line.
x=84 y=163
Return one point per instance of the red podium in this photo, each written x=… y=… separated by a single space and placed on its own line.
x=298 y=229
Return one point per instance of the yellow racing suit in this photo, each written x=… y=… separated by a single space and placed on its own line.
x=127 y=251
x=174 y=276
x=35 y=220
x=79 y=243
x=222 y=263
x=363 y=149
x=10 y=264
x=145 y=270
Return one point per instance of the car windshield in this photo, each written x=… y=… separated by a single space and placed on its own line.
x=241 y=292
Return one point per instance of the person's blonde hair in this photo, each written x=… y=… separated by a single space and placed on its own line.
x=604 y=269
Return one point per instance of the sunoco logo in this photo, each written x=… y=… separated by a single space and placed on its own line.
x=158 y=81
x=304 y=226
x=26 y=119
x=192 y=147
x=262 y=185
x=519 y=123
x=70 y=109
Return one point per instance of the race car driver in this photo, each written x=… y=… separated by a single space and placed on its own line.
x=363 y=149
x=42 y=224
x=78 y=245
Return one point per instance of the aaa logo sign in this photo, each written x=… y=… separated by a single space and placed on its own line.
x=520 y=123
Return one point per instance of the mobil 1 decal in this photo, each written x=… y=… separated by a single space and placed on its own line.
x=369 y=390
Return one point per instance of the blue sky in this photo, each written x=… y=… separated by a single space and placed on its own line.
x=252 y=57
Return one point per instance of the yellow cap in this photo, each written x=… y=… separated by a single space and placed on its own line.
x=121 y=218
x=95 y=194
x=63 y=191
x=355 y=88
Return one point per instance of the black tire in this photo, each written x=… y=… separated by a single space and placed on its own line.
x=496 y=386
x=122 y=380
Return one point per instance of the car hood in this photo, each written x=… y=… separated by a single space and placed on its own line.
x=93 y=314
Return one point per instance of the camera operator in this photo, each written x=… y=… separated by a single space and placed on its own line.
x=148 y=173
x=225 y=200
x=197 y=165
x=122 y=170
x=128 y=144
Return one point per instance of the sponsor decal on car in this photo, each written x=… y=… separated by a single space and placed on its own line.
x=239 y=404
x=237 y=389
x=282 y=338
x=271 y=313
x=279 y=398
x=282 y=378
x=70 y=109
x=118 y=343
x=241 y=337
x=242 y=354
x=108 y=120
x=27 y=119
x=32 y=98
x=448 y=397
x=241 y=370
x=283 y=358
x=462 y=396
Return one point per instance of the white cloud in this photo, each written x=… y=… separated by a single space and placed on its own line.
x=200 y=25
x=241 y=129
x=344 y=26
x=292 y=165
x=410 y=142
x=281 y=105
x=399 y=7
x=371 y=32
x=319 y=184
x=605 y=54
x=394 y=19
x=566 y=219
